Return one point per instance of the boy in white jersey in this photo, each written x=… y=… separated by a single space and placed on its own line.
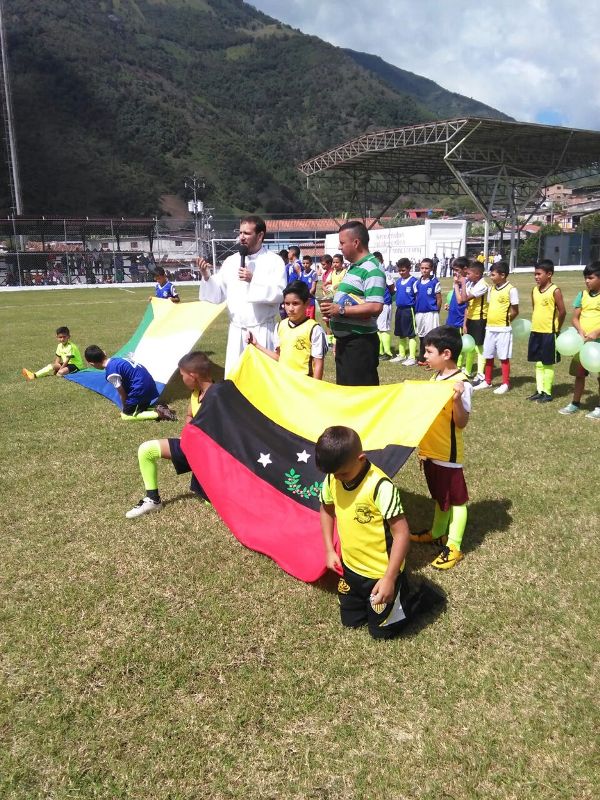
x=441 y=450
x=194 y=369
x=373 y=534
x=299 y=341
x=503 y=307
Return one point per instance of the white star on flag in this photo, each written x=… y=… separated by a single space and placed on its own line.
x=265 y=458
x=303 y=456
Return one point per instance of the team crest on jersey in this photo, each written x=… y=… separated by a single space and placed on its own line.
x=343 y=587
x=300 y=344
x=364 y=514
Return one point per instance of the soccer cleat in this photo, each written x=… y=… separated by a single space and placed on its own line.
x=164 y=412
x=572 y=408
x=425 y=537
x=502 y=389
x=545 y=398
x=469 y=375
x=385 y=357
x=409 y=362
x=27 y=374
x=448 y=558
x=535 y=396
x=595 y=414
x=146 y=506
x=483 y=385
x=396 y=360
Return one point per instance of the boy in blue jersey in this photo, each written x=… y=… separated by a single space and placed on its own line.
x=405 y=323
x=427 y=305
x=309 y=277
x=134 y=384
x=457 y=308
x=164 y=289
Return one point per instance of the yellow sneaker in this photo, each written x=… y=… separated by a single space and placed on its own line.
x=27 y=374
x=448 y=558
x=425 y=537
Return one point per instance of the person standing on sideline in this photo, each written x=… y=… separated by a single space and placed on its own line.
x=353 y=312
x=252 y=292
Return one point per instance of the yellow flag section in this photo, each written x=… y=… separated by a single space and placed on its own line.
x=399 y=413
x=173 y=331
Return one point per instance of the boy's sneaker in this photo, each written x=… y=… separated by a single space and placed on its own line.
x=448 y=558
x=396 y=360
x=385 y=357
x=595 y=414
x=479 y=378
x=146 y=506
x=425 y=537
x=484 y=385
x=535 y=396
x=27 y=374
x=502 y=389
x=545 y=398
x=409 y=362
x=469 y=375
x=572 y=408
x=164 y=412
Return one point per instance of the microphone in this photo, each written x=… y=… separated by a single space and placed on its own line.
x=243 y=251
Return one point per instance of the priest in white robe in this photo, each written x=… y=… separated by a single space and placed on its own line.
x=253 y=293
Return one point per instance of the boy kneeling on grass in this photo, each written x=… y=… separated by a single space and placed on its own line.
x=374 y=538
x=195 y=372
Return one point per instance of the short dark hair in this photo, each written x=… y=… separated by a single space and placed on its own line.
x=295 y=251
x=196 y=362
x=359 y=229
x=461 y=262
x=159 y=271
x=546 y=264
x=427 y=261
x=476 y=265
x=445 y=337
x=592 y=269
x=404 y=262
x=307 y=258
x=299 y=288
x=63 y=331
x=335 y=446
x=378 y=255
x=327 y=259
x=339 y=257
x=260 y=226
x=500 y=266
x=94 y=354
x=283 y=254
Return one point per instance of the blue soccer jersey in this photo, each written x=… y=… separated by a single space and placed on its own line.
x=135 y=379
x=456 y=312
x=166 y=291
x=405 y=292
x=426 y=295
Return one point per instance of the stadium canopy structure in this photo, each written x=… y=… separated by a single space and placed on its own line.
x=502 y=166
x=80 y=229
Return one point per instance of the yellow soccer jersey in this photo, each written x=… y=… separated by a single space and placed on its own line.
x=499 y=303
x=545 y=316
x=195 y=401
x=477 y=307
x=363 y=515
x=69 y=354
x=337 y=278
x=295 y=344
x=590 y=312
x=444 y=440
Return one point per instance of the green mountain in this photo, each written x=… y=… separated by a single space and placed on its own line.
x=116 y=101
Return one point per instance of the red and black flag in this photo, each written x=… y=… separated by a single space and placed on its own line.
x=251 y=446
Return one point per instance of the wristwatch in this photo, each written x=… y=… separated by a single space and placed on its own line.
x=342 y=310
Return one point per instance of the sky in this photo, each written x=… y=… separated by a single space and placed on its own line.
x=535 y=60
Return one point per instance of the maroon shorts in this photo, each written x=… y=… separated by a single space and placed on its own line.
x=446 y=485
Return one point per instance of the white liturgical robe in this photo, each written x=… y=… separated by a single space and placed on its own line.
x=252 y=306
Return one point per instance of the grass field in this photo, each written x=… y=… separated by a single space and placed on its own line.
x=157 y=658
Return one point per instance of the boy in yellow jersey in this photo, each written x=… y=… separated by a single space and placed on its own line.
x=546 y=321
x=503 y=307
x=195 y=373
x=441 y=450
x=67 y=358
x=300 y=342
x=474 y=291
x=586 y=320
x=373 y=534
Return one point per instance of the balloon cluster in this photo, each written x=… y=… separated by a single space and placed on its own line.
x=570 y=343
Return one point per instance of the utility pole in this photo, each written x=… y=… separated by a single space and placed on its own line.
x=9 y=125
x=196 y=207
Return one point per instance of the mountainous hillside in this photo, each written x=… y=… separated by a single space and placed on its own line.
x=116 y=101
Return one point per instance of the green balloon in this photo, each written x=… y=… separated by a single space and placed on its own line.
x=569 y=343
x=468 y=343
x=449 y=296
x=589 y=356
x=521 y=328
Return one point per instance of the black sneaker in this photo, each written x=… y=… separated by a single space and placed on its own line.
x=164 y=412
x=545 y=398
x=535 y=396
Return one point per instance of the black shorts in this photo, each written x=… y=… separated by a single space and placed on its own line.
x=357 y=359
x=404 y=324
x=542 y=347
x=72 y=368
x=476 y=329
x=131 y=409
x=181 y=466
x=354 y=592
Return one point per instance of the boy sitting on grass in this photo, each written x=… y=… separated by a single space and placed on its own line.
x=374 y=538
x=300 y=342
x=195 y=372
x=67 y=358
x=134 y=384
x=441 y=450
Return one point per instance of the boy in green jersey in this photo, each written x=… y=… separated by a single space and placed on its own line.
x=67 y=358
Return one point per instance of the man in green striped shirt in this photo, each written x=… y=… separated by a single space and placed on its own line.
x=353 y=313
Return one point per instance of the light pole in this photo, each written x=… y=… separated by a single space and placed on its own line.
x=196 y=206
